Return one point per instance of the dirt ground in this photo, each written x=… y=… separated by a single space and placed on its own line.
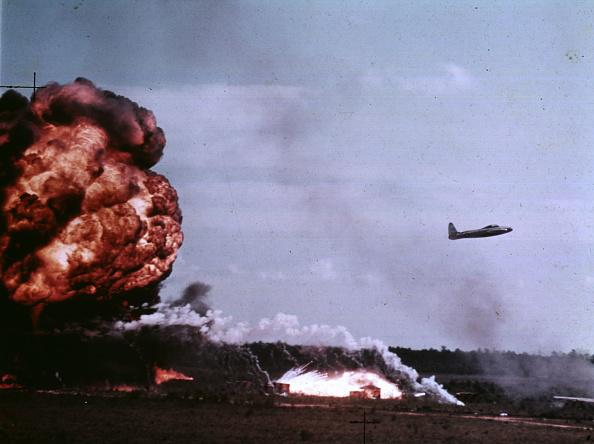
x=32 y=417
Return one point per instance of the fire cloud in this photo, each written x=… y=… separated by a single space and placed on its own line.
x=81 y=214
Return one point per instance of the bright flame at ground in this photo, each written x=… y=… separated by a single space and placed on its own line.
x=162 y=375
x=125 y=388
x=340 y=385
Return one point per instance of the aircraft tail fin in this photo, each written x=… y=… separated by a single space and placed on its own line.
x=452 y=232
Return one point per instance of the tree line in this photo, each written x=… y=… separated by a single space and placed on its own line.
x=575 y=365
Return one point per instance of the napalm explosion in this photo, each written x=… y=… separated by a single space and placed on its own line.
x=83 y=220
x=353 y=383
x=82 y=216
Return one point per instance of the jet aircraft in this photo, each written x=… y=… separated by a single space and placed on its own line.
x=489 y=230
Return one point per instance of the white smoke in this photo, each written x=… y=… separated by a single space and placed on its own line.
x=284 y=328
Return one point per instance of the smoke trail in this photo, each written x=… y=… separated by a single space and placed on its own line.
x=195 y=296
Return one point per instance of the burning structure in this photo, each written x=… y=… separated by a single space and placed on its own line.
x=282 y=388
x=355 y=384
x=368 y=391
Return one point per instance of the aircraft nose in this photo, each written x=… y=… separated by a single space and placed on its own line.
x=510 y=229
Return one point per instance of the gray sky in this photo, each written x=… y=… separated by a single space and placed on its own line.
x=321 y=148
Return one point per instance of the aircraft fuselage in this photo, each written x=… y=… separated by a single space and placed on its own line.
x=488 y=231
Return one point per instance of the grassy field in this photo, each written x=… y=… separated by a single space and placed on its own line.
x=30 y=417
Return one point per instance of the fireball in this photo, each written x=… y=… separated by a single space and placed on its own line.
x=81 y=214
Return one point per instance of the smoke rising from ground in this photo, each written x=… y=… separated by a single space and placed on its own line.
x=195 y=295
x=476 y=310
x=81 y=215
x=524 y=375
x=286 y=329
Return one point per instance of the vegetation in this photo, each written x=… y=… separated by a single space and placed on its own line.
x=49 y=418
x=572 y=365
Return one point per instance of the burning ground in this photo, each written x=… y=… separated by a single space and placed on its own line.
x=282 y=344
x=149 y=355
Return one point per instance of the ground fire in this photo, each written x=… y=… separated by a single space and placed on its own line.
x=355 y=384
x=81 y=216
x=163 y=375
x=124 y=388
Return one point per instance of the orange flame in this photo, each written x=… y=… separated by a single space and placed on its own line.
x=124 y=388
x=83 y=215
x=162 y=375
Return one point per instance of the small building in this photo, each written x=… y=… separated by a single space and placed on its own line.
x=357 y=394
x=282 y=388
x=368 y=391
